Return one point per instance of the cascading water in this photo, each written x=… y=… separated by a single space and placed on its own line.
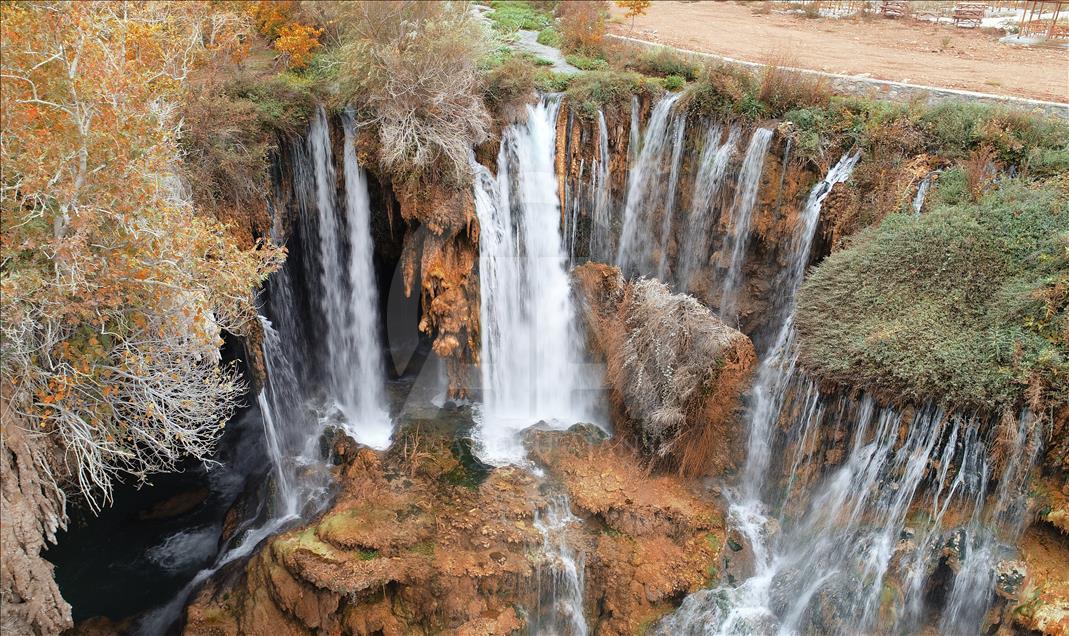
x=777 y=368
x=348 y=296
x=646 y=190
x=852 y=552
x=559 y=575
x=712 y=167
x=292 y=430
x=529 y=333
x=601 y=223
x=679 y=126
x=737 y=238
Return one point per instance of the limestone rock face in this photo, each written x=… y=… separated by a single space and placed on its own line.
x=675 y=370
x=441 y=249
x=419 y=542
x=33 y=510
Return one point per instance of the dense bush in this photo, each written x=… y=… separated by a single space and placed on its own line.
x=597 y=89
x=661 y=62
x=582 y=25
x=961 y=302
x=550 y=36
x=723 y=90
x=509 y=87
x=784 y=90
x=115 y=290
x=674 y=82
x=586 y=63
x=412 y=69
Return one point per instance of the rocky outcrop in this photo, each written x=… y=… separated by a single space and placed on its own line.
x=1043 y=601
x=420 y=541
x=675 y=369
x=441 y=249
x=33 y=510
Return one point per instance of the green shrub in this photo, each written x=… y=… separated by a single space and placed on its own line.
x=512 y=15
x=961 y=302
x=722 y=90
x=552 y=82
x=674 y=82
x=549 y=36
x=508 y=88
x=587 y=92
x=663 y=62
x=586 y=63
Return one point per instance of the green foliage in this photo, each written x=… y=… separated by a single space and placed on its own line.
x=1036 y=144
x=550 y=36
x=512 y=15
x=586 y=63
x=588 y=92
x=663 y=62
x=723 y=90
x=552 y=82
x=967 y=301
x=674 y=82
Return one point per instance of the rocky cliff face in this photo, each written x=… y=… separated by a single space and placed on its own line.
x=420 y=542
x=676 y=370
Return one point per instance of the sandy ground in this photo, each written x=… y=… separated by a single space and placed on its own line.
x=910 y=51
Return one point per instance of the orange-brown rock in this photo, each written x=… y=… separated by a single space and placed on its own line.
x=418 y=543
x=441 y=249
x=675 y=370
x=1044 y=600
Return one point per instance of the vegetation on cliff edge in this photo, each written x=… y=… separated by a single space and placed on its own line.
x=969 y=301
x=115 y=290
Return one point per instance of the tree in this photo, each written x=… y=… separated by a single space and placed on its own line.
x=634 y=8
x=115 y=290
x=411 y=70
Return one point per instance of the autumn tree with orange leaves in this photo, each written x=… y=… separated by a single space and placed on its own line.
x=115 y=290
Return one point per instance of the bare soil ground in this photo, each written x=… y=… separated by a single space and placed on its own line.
x=906 y=50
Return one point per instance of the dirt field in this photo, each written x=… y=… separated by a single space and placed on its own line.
x=910 y=51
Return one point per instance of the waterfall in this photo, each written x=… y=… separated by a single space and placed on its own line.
x=738 y=224
x=922 y=191
x=853 y=550
x=529 y=331
x=559 y=574
x=348 y=295
x=678 y=130
x=712 y=166
x=777 y=367
x=646 y=190
x=601 y=222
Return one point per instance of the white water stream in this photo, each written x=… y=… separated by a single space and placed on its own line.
x=531 y=347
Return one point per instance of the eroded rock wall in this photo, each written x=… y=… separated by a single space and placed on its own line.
x=417 y=542
x=676 y=371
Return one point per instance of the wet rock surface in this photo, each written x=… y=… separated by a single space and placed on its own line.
x=418 y=540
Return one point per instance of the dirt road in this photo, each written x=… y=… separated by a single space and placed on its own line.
x=906 y=50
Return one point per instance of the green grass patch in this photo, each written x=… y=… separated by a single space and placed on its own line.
x=550 y=36
x=586 y=63
x=512 y=15
x=967 y=301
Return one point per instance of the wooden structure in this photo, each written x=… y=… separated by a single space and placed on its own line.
x=894 y=8
x=1041 y=19
x=969 y=14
